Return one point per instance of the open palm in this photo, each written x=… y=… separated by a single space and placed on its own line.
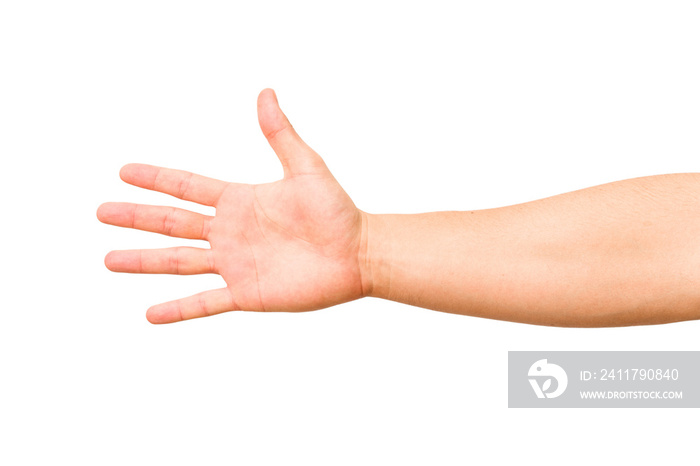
x=293 y=245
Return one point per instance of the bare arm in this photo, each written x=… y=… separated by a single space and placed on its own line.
x=624 y=253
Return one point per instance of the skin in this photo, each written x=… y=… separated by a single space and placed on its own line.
x=291 y=245
x=625 y=253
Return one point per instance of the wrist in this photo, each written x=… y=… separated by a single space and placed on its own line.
x=373 y=256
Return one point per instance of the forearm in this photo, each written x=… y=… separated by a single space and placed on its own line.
x=624 y=253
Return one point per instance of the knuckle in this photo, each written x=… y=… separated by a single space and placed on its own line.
x=174 y=261
x=204 y=311
x=169 y=221
x=211 y=265
x=184 y=186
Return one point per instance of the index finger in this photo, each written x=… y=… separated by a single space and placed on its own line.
x=178 y=183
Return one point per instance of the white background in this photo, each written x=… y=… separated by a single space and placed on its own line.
x=416 y=106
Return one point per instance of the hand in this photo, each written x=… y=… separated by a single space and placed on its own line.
x=297 y=244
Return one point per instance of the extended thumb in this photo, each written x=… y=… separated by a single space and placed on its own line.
x=296 y=157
